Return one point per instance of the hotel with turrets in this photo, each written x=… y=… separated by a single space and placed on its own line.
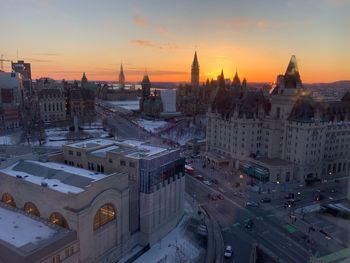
x=286 y=136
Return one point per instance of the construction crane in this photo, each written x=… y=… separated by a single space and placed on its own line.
x=2 y=62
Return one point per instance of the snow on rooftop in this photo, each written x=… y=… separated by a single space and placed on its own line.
x=73 y=173
x=125 y=104
x=91 y=143
x=102 y=152
x=19 y=229
x=147 y=150
x=151 y=126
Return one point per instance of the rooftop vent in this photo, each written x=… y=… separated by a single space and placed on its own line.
x=19 y=176
x=44 y=184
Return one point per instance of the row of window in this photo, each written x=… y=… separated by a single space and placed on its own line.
x=104 y=215
x=48 y=108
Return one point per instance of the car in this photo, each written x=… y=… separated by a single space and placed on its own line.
x=228 y=252
x=265 y=200
x=318 y=197
x=199 y=177
x=252 y=204
x=214 y=181
x=289 y=196
x=248 y=223
x=220 y=196
x=207 y=183
x=289 y=203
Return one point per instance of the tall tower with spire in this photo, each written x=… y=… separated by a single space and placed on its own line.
x=84 y=80
x=121 y=77
x=195 y=71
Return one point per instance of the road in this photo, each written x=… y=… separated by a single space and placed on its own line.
x=272 y=228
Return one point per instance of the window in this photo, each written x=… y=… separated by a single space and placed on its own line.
x=31 y=208
x=70 y=152
x=122 y=163
x=78 y=153
x=110 y=160
x=56 y=259
x=8 y=199
x=58 y=219
x=104 y=215
x=131 y=164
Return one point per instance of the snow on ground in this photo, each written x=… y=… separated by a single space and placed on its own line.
x=5 y=140
x=174 y=247
x=182 y=136
x=126 y=104
x=151 y=126
x=18 y=229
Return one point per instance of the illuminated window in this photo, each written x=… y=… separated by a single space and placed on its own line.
x=58 y=219
x=8 y=199
x=105 y=214
x=31 y=208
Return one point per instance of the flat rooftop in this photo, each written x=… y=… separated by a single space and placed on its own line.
x=22 y=234
x=90 y=144
x=130 y=148
x=59 y=177
x=273 y=161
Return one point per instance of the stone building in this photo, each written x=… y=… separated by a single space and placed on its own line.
x=51 y=100
x=156 y=181
x=29 y=238
x=80 y=99
x=285 y=136
x=11 y=100
x=98 y=198
x=150 y=102
x=94 y=206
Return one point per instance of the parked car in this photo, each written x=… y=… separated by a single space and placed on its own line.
x=214 y=181
x=249 y=224
x=228 y=252
x=289 y=196
x=199 y=177
x=220 y=196
x=265 y=200
x=252 y=203
x=207 y=183
x=319 y=197
x=212 y=197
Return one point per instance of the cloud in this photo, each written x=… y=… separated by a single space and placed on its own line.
x=151 y=44
x=37 y=60
x=140 y=21
x=245 y=23
x=48 y=54
x=147 y=24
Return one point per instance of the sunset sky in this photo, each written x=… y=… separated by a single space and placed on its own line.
x=63 y=38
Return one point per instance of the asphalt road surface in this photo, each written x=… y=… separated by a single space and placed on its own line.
x=231 y=213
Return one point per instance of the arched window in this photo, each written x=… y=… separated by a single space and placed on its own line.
x=105 y=214
x=8 y=199
x=58 y=219
x=31 y=208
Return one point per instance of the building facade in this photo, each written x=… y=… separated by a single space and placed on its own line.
x=155 y=176
x=93 y=205
x=287 y=128
x=51 y=100
x=11 y=100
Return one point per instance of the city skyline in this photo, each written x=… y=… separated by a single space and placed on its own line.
x=63 y=39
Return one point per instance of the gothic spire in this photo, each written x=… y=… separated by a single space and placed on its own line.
x=121 y=76
x=195 y=71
